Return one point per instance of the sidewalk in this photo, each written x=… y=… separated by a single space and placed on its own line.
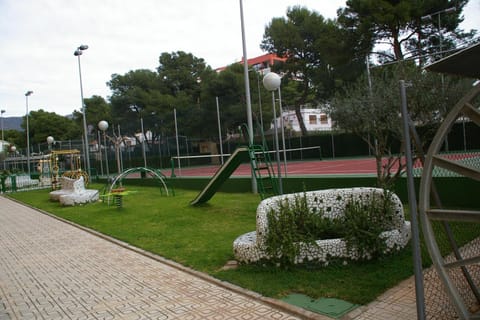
x=50 y=269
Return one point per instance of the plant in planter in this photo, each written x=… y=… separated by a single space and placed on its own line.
x=365 y=221
x=294 y=226
x=324 y=226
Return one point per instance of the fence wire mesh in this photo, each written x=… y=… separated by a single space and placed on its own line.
x=438 y=304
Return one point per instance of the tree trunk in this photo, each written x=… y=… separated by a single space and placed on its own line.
x=397 y=48
x=298 y=113
x=378 y=164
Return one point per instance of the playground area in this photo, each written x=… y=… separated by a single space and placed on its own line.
x=165 y=212
x=449 y=234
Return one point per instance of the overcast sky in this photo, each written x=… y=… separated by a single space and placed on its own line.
x=38 y=38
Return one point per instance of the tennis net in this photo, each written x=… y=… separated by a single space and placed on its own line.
x=179 y=163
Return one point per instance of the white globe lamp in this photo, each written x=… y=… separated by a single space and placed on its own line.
x=272 y=81
x=103 y=125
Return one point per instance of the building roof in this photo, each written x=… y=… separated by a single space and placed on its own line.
x=463 y=63
x=266 y=59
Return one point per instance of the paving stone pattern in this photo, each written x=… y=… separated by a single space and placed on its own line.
x=52 y=270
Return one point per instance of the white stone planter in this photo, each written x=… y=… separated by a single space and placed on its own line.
x=73 y=192
x=250 y=247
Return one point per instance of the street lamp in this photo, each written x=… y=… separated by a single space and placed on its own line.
x=219 y=131
x=139 y=111
x=78 y=53
x=247 y=90
x=3 y=140
x=50 y=141
x=1 y=115
x=13 y=150
x=430 y=17
x=53 y=182
x=27 y=94
x=272 y=82
x=438 y=13
x=282 y=130
x=103 y=126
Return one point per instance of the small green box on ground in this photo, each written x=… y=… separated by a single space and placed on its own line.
x=331 y=307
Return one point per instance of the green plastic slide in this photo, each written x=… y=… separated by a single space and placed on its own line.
x=238 y=157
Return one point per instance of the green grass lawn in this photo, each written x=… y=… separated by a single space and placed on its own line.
x=202 y=238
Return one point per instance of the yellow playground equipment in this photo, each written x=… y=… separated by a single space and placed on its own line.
x=66 y=162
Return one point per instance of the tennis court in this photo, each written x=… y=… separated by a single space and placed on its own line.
x=343 y=166
x=295 y=168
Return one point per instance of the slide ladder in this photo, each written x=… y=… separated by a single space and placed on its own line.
x=267 y=184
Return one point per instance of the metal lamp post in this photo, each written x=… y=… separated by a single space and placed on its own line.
x=50 y=141
x=139 y=111
x=247 y=91
x=27 y=94
x=3 y=139
x=430 y=17
x=272 y=82
x=103 y=126
x=144 y=154
x=438 y=13
x=1 y=117
x=283 y=131
x=78 y=53
x=13 y=150
x=219 y=131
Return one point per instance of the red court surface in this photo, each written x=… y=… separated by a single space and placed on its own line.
x=364 y=166
x=355 y=166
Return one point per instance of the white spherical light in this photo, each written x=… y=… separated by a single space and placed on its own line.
x=103 y=125
x=272 y=81
x=50 y=139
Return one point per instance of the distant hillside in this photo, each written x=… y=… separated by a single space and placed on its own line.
x=12 y=123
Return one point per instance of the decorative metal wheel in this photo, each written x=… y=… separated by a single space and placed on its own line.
x=458 y=268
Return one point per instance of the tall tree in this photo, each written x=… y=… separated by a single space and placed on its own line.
x=372 y=112
x=229 y=87
x=396 y=30
x=43 y=124
x=136 y=90
x=183 y=72
x=97 y=109
x=438 y=30
x=15 y=137
x=182 y=76
x=315 y=49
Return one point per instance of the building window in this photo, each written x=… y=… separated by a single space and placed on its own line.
x=323 y=119
x=312 y=119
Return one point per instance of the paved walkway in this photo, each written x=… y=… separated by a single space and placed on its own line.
x=50 y=269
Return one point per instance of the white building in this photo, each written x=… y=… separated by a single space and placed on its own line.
x=4 y=146
x=314 y=119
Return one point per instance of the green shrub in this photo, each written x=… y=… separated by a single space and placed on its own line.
x=364 y=222
x=293 y=225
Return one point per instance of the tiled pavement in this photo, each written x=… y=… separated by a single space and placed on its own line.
x=52 y=270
